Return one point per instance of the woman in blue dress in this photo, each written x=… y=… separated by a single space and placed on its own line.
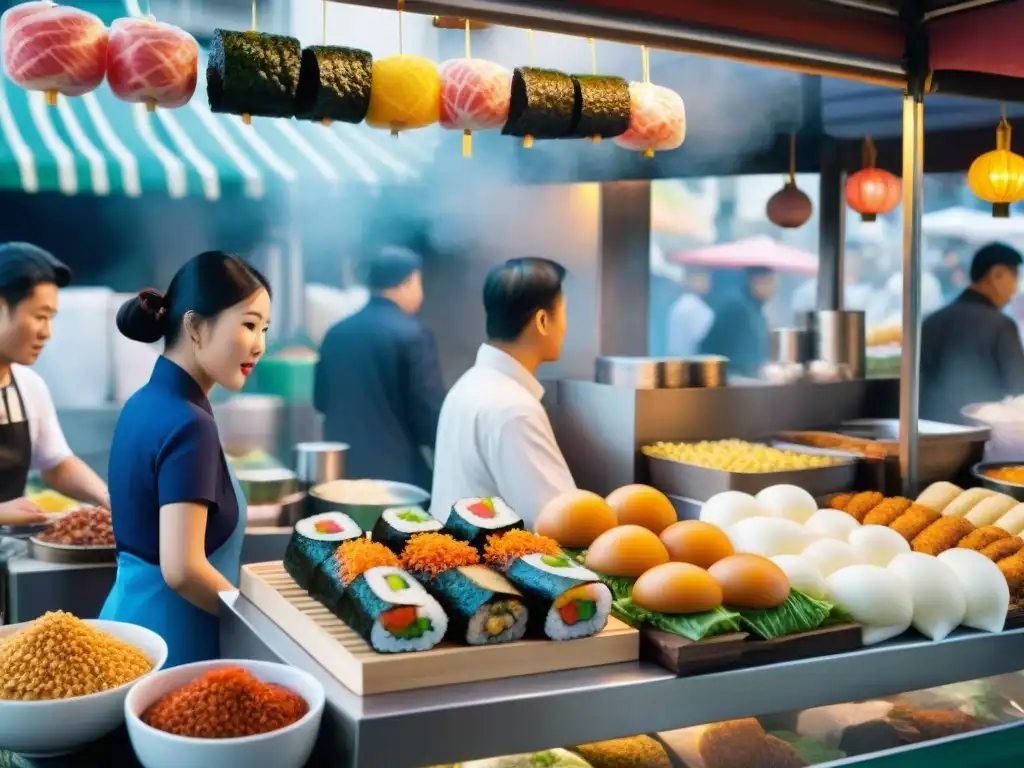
x=179 y=516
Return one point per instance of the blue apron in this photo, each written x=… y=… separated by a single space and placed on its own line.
x=141 y=596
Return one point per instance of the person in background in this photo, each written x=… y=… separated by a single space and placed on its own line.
x=179 y=514
x=378 y=382
x=856 y=292
x=970 y=351
x=740 y=329
x=30 y=435
x=494 y=437
x=691 y=317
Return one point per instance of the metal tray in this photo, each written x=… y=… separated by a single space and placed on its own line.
x=678 y=478
x=1013 y=490
x=65 y=555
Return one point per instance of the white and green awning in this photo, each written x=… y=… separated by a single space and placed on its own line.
x=96 y=144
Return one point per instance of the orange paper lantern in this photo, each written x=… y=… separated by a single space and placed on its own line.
x=871 y=191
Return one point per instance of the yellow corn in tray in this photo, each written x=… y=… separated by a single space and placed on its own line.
x=739 y=456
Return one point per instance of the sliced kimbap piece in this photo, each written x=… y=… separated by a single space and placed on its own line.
x=542 y=104
x=313 y=541
x=334 y=84
x=252 y=73
x=602 y=107
x=392 y=611
x=397 y=525
x=566 y=600
x=482 y=605
x=475 y=519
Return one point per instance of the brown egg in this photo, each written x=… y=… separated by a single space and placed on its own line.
x=642 y=505
x=627 y=550
x=677 y=588
x=750 y=581
x=701 y=544
x=575 y=518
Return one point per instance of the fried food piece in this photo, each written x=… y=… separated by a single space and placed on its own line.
x=980 y=538
x=887 y=511
x=938 y=723
x=732 y=744
x=839 y=501
x=862 y=503
x=999 y=550
x=1013 y=570
x=941 y=535
x=914 y=520
x=776 y=753
x=640 y=751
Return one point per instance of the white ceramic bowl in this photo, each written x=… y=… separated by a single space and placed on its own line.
x=59 y=726
x=289 y=747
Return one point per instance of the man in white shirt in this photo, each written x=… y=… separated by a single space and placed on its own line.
x=494 y=437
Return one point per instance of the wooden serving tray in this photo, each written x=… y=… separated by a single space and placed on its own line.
x=349 y=659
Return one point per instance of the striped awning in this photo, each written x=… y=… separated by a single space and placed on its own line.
x=99 y=145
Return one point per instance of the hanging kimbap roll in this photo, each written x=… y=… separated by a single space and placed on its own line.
x=483 y=607
x=385 y=605
x=602 y=107
x=313 y=541
x=542 y=105
x=334 y=84
x=566 y=601
x=397 y=525
x=251 y=73
x=475 y=519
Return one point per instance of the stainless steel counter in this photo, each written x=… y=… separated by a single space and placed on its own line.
x=479 y=720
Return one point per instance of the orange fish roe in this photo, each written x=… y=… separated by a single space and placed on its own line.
x=357 y=556
x=226 y=704
x=1014 y=474
x=502 y=549
x=432 y=554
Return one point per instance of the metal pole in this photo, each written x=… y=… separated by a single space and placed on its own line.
x=913 y=203
x=831 y=227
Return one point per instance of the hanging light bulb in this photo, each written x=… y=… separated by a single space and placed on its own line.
x=871 y=191
x=789 y=207
x=997 y=177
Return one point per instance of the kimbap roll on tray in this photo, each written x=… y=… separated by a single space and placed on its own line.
x=566 y=600
x=473 y=520
x=314 y=541
x=385 y=605
x=397 y=525
x=483 y=607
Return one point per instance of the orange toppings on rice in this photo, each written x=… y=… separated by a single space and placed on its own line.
x=502 y=549
x=434 y=553
x=357 y=556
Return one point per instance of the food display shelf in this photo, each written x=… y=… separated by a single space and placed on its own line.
x=478 y=720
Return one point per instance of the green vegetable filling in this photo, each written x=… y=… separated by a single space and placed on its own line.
x=414 y=631
x=396 y=583
x=413 y=516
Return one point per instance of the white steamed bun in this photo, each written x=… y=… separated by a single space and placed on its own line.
x=768 y=536
x=728 y=508
x=877 y=598
x=788 y=501
x=832 y=524
x=803 y=575
x=829 y=555
x=986 y=593
x=938 y=597
x=877 y=545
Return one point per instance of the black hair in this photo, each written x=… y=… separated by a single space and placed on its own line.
x=23 y=266
x=515 y=291
x=994 y=255
x=390 y=267
x=206 y=284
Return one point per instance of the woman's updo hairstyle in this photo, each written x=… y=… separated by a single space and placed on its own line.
x=205 y=285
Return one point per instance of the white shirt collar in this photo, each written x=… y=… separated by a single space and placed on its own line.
x=502 y=362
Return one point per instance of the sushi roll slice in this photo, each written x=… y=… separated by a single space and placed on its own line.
x=473 y=520
x=566 y=601
x=482 y=605
x=397 y=525
x=313 y=542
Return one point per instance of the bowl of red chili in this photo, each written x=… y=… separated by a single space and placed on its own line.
x=225 y=713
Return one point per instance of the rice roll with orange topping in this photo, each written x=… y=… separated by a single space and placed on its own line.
x=475 y=519
x=566 y=601
x=314 y=541
x=482 y=605
x=384 y=604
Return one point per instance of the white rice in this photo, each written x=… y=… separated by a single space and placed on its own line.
x=349 y=530
x=477 y=634
x=556 y=629
x=503 y=514
x=391 y=517
x=383 y=641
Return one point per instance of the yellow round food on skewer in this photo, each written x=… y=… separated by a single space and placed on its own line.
x=966 y=501
x=990 y=509
x=406 y=93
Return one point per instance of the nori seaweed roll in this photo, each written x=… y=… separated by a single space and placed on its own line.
x=566 y=600
x=542 y=105
x=334 y=84
x=475 y=519
x=251 y=73
x=483 y=607
x=602 y=108
x=313 y=541
x=397 y=525
x=331 y=577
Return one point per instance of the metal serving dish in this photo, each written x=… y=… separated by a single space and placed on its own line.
x=69 y=555
x=365 y=500
x=703 y=371
x=267 y=485
x=691 y=481
x=1014 y=490
x=945 y=451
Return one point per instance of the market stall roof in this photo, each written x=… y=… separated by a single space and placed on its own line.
x=99 y=145
x=758 y=251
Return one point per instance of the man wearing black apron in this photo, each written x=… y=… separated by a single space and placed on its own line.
x=30 y=435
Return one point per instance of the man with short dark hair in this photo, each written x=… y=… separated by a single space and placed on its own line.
x=494 y=437
x=378 y=382
x=970 y=351
x=30 y=435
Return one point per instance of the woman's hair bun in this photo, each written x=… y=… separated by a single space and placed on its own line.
x=143 y=317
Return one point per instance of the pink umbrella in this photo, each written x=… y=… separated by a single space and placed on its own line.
x=759 y=251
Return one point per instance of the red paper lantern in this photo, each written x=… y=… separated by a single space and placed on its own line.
x=871 y=191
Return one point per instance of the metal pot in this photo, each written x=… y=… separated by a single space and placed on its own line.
x=353 y=499
x=662 y=372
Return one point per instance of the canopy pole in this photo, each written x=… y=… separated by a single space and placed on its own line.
x=910 y=363
x=831 y=227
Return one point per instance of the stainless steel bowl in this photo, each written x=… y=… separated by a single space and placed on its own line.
x=702 y=371
x=1013 y=490
x=268 y=485
x=365 y=500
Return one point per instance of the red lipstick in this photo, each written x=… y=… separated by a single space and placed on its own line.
x=247 y=368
